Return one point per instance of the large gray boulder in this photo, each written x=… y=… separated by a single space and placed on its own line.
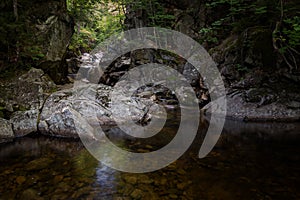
x=6 y=132
x=24 y=122
x=63 y=110
x=69 y=112
x=27 y=92
x=24 y=97
x=53 y=35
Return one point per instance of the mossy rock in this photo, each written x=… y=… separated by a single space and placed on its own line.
x=42 y=33
x=25 y=92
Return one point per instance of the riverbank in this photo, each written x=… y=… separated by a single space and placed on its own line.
x=32 y=103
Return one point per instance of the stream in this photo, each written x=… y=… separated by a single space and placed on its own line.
x=250 y=161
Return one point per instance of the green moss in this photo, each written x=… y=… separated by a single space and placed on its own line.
x=1 y=114
x=21 y=108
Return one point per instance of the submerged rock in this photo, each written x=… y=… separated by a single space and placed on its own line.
x=31 y=194
x=38 y=164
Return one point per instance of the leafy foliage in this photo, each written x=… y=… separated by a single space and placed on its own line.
x=95 y=21
x=291 y=31
x=279 y=16
x=236 y=16
x=286 y=40
x=154 y=10
x=16 y=43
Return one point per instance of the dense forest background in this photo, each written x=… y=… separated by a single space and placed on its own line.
x=244 y=34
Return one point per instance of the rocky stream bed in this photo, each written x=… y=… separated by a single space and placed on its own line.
x=252 y=160
x=258 y=162
x=33 y=103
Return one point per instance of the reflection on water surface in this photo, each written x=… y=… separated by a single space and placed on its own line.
x=250 y=161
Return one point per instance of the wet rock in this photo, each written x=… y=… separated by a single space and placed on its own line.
x=32 y=180
x=181 y=172
x=24 y=122
x=20 y=179
x=182 y=185
x=143 y=56
x=230 y=72
x=293 y=104
x=81 y=192
x=137 y=194
x=39 y=164
x=131 y=179
x=144 y=179
x=262 y=96
x=31 y=194
x=127 y=190
x=239 y=109
x=64 y=186
x=173 y=196
x=6 y=132
x=253 y=79
x=254 y=95
x=58 y=179
x=162 y=182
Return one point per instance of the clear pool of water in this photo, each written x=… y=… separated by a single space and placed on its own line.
x=250 y=161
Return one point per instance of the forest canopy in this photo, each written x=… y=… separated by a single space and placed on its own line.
x=209 y=22
x=98 y=19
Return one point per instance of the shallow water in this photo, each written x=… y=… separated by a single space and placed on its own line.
x=250 y=161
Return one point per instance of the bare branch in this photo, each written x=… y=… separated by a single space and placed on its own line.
x=15 y=6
